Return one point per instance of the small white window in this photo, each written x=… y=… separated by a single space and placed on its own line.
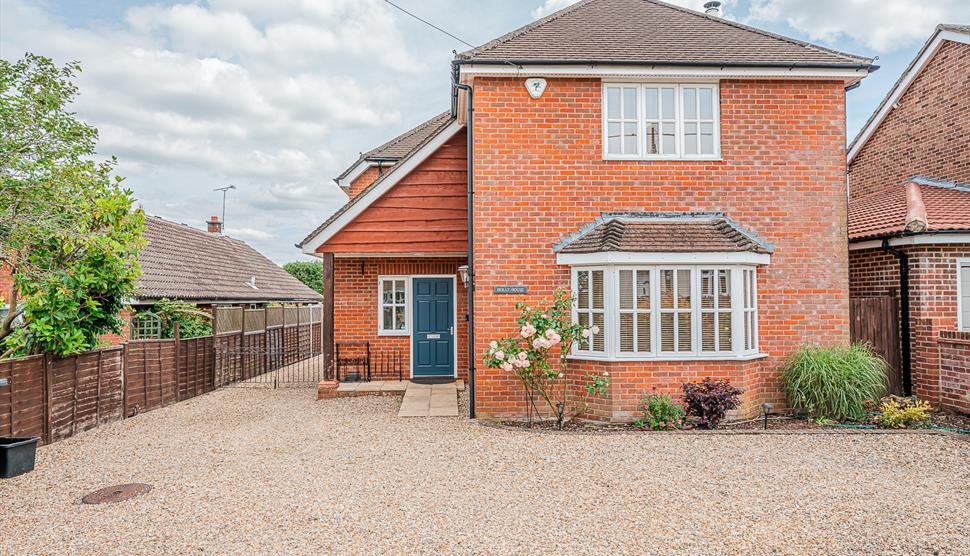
x=392 y=297
x=716 y=310
x=635 y=290
x=676 y=326
x=750 y=288
x=591 y=309
x=650 y=121
x=963 y=294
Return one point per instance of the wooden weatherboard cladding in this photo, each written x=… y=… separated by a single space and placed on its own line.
x=426 y=212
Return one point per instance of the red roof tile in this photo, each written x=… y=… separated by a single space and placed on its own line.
x=947 y=208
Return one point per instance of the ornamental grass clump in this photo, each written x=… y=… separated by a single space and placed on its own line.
x=836 y=382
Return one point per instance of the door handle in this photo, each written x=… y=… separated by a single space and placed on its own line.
x=451 y=330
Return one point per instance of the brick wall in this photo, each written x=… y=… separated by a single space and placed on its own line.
x=368 y=177
x=355 y=304
x=927 y=134
x=6 y=284
x=539 y=175
x=955 y=370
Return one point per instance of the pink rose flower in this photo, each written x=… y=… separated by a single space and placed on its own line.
x=500 y=355
x=493 y=344
x=506 y=366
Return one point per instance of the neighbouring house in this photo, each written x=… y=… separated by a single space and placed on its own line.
x=909 y=221
x=204 y=268
x=682 y=174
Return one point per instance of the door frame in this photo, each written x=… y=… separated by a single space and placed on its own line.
x=454 y=320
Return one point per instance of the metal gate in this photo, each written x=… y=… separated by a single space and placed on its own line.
x=875 y=321
x=270 y=368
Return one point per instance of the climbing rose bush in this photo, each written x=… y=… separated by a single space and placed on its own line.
x=536 y=354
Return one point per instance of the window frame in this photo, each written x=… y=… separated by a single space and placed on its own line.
x=611 y=285
x=962 y=325
x=679 y=140
x=607 y=296
x=406 y=331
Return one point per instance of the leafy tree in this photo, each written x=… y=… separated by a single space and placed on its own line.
x=308 y=272
x=192 y=321
x=68 y=229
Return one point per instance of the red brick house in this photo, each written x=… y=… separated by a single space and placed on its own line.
x=909 y=216
x=685 y=178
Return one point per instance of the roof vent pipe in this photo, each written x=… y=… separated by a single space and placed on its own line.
x=713 y=9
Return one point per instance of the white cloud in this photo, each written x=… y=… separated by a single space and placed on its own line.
x=550 y=6
x=882 y=25
x=249 y=234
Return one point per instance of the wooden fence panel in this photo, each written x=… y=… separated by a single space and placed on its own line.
x=875 y=321
x=23 y=399
x=150 y=380
x=85 y=391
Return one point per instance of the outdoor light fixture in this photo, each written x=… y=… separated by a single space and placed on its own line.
x=767 y=409
x=463 y=272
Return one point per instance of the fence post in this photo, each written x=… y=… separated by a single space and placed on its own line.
x=242 y=342
x=265 y=340
x=215 y=352
x=124 y=380
x=326 y=318
x=48 y=400
x=98 y=399
x=178 y=388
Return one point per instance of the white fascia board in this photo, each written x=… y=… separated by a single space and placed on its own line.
x=624 y=258
x=402 y=169
x=671 y=72
x=398 y=255
x=358 y=169
x=921 y=239
x=900 y=89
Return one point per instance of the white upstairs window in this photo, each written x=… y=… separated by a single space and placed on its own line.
x=658 y=121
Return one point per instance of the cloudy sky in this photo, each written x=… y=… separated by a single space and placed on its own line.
x=277 y=97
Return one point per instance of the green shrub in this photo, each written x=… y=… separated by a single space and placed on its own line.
x=835 y=382
x=661 y=413
x=902 y=413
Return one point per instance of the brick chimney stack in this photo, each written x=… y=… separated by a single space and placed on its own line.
x=215 y=225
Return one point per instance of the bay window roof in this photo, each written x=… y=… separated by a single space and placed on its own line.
x=663 y=232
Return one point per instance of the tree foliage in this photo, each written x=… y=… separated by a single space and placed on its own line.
x=68 y=229
x=308 y=272
x=192 y=321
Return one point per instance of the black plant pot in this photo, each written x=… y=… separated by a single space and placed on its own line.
x=17 y=456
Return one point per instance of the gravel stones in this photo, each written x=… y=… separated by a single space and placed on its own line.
x=248 y=471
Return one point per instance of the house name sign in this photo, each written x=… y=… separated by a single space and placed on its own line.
x=510 y=289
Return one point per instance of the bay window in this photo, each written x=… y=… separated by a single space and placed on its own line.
x=650 y=121
x=667 y=312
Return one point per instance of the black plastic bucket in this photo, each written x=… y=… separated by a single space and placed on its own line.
x=17 y=456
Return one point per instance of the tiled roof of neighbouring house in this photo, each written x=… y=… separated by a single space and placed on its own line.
x=186 y=263
x=927 y=205
x=402 y=145
x=663 y=232
x=650 y=32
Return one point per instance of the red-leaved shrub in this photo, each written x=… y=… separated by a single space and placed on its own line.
x=709 y=400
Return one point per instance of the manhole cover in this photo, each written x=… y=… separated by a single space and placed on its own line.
x=117 y=493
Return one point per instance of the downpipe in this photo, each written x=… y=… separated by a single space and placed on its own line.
x=470 y=110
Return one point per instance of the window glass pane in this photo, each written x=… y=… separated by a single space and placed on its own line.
x=629 y=103
x=724 y=289
x=599 y=340
x=684 y=332
x=582 y=295
x=399 y=291
x=707 y=291
x=965 y=295
x=652 y=102
x=643 y=332
x=667 y=289
x=583 y=321
x=706 y=98
x=653 y=138
x=387 y=291
x=667 y=102
x=690 y=103
x=669 y=138
x=667 y=331
x=690 y=138
x=388 y=318
x=683 y=289
x=613 y=138
x=399 y=318
x=707 y=138
x=626 y=332
x=598 y=289
x=613 y=102
x=707 y=332
x=626 y=289
x=630 y=138
x=724 y=331
x=643 y=289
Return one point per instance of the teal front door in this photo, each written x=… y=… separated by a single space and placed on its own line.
x=433 y=335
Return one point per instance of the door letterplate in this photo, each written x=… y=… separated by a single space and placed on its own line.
x=433 y=336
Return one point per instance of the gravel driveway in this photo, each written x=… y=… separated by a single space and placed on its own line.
x=244 y=471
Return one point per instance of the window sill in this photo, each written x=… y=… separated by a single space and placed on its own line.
x=393 y=332
x=712 y=158
x=662 y=358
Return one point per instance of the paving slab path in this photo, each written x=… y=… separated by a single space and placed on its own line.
x=430 y=400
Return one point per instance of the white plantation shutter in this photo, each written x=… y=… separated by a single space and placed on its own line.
x=634 y=292
x=963 y=303
x=715 y=310
x=591 y=308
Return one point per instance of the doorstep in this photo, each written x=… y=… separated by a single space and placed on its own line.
x=329 y=389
